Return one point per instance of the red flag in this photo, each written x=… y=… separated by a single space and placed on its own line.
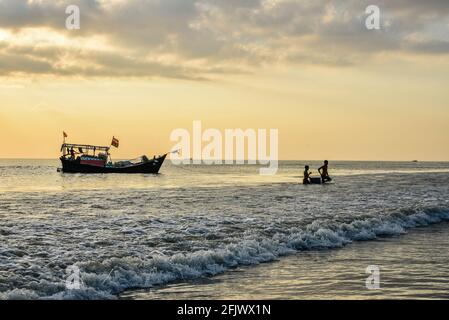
x=115 y=142
x=64 y=134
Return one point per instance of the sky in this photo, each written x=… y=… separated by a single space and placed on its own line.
x=138 y=69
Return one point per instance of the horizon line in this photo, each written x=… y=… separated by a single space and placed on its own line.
x=334 y=160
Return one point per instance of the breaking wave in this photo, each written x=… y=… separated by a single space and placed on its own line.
x=107 y=279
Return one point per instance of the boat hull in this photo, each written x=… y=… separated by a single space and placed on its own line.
x=74 y=166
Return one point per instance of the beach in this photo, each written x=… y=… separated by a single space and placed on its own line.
x=224 y=232
x=412 y=266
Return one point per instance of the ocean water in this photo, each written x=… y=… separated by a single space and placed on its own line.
x=411 y=266
x=145 y=233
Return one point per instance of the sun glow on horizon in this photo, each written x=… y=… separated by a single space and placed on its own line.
x=139 y=70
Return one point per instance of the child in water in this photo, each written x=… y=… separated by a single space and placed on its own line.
x=324 y=172
x=307 y=174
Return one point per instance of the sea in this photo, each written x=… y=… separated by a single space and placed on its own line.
x=379 y=230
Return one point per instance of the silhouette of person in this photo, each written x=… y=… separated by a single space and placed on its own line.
x=306 y=175
x=323 y=170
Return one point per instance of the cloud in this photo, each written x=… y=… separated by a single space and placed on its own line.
x=17 y=63
x=199 y=39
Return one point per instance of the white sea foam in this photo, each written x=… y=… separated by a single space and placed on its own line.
x=139 y=233
x=106 y=279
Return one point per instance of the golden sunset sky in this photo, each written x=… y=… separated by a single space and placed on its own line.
x=139 y=69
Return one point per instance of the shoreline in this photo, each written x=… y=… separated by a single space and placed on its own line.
x=331 y=274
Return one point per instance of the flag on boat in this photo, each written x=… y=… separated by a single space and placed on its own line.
x=115 y=142
x=64 y=134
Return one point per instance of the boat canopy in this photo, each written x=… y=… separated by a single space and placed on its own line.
x=84 y=147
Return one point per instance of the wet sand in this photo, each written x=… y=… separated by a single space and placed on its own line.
x=411 y=266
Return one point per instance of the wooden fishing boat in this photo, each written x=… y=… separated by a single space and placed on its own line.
x=81 y=158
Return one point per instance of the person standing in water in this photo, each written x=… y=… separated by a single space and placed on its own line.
x=323 y=170
x=307 y=174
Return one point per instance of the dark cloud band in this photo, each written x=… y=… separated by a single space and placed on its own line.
x=197 y=39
